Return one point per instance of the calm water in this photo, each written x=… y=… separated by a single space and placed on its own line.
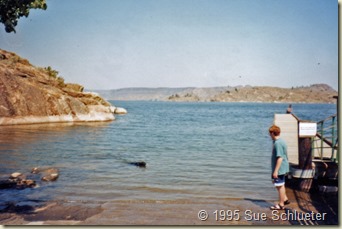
x=192 y=150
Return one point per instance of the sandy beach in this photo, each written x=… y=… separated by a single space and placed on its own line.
x=304 y=209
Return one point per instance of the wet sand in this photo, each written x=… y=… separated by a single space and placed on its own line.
x=304 y=209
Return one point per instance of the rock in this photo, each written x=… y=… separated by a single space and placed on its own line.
x=75 y=87
x=18 y=180
x=35 y=170
x=120 y=110
x=48 y=174
x=30 y=94
x=25 y=184
x=112 y=109
x=38 y=170
x=15 y=175
x=50 y=177
x=43 y=170
x=31 y=183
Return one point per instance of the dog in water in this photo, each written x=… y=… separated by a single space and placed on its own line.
x=140 y=164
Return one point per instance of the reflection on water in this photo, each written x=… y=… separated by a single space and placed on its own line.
x=22 y=134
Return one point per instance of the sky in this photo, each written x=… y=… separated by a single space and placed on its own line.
x=112 y=44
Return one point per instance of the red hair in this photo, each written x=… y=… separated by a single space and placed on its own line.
x=275 y=130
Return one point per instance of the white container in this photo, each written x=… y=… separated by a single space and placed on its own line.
x=302 y=173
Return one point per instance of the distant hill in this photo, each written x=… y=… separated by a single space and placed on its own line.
x=139 y=93
x=316 y=93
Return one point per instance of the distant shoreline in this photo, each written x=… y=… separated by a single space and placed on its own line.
x=316 y=93
x=122 y=100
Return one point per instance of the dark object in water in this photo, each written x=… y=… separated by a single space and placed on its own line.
x=4 y=184
x=17 y=184
x=140 y=164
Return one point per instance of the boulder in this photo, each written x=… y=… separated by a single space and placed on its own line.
x=112 y=109
x=30 y=183
x=22 y=184
x=120 y=110
x=48 y=174
x=44 y=170
x=35 y=170
x=50 y=177
x=15 y=175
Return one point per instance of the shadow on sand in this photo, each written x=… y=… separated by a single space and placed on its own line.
x=312 y=201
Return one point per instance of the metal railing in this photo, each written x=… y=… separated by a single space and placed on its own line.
x=325 y=144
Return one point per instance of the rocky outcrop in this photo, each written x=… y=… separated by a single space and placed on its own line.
x=30 y=94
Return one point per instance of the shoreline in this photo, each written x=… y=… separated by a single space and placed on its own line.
x=304 y=209
x=97 y=113
x=243 y=102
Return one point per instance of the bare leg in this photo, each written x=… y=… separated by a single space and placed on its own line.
x=282 y=194
x=285 y=198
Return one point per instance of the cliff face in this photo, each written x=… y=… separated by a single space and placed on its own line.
x=30 y=94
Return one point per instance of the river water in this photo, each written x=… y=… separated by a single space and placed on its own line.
x=192 y=150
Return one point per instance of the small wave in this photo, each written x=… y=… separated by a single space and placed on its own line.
x=161 y=190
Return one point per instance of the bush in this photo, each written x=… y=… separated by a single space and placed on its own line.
x=54 y=74
x=51 y=72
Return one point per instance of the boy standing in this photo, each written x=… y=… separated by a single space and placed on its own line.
x=280 y=166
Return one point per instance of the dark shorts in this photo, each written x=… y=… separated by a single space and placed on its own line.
x=280 y=181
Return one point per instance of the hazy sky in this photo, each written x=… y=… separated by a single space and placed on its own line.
x=110 y=44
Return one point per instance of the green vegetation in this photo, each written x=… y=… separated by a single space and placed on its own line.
x=174 y=96
x=12 y=10
x=54 y=74
x=51 y=72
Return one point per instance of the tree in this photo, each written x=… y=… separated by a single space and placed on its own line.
x=12 y=10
